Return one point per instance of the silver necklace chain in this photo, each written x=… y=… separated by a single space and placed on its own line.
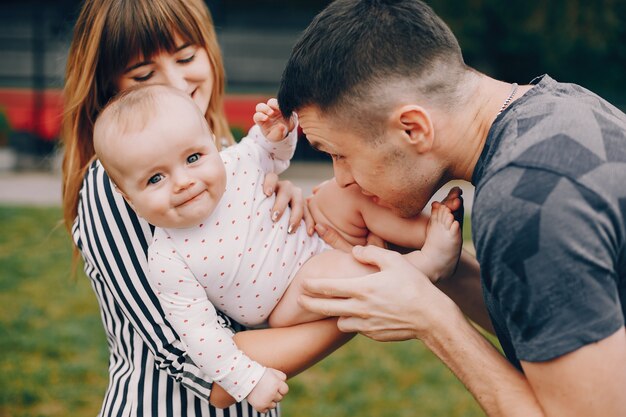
x=508 y=99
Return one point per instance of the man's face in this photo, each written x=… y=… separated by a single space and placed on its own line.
x=390 y=170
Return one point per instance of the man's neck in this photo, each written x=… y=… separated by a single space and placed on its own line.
x=467 y=128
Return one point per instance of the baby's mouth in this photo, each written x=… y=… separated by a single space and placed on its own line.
x=191 y=199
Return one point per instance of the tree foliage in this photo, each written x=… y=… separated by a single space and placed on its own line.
x=577 y=41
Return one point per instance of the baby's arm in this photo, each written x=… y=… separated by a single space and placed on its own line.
x=207 y=343
x=354 y=215
x=276 y=136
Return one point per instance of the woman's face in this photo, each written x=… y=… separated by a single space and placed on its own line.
x=187 y=69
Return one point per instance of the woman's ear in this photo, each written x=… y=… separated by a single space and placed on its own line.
x=417 y=125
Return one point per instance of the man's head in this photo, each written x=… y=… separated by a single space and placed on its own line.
x=156 y=146
x=368 y=70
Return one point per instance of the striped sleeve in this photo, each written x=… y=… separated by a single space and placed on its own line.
x=113 y=242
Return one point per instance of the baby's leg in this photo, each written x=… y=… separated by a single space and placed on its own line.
x=329 y=264
x=442 y=247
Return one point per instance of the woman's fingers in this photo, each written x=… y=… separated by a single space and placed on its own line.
x=269 y=183
x=309 y=221
x=288 y=194
x=298 y=208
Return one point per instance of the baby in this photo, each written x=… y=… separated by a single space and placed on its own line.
x=215 y=245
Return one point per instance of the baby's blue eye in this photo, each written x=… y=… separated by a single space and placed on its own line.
x=155 y=178
x=193 y=158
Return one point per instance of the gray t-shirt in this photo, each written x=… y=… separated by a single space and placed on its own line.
x=549 y=221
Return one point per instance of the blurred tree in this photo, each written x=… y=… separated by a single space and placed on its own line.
x=573 y=40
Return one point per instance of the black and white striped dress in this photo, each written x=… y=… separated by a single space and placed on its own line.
x=149 y=372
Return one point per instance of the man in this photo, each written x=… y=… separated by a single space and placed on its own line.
x=382 y=87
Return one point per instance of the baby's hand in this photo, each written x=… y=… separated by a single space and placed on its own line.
x=273 y=125
x=269 y=391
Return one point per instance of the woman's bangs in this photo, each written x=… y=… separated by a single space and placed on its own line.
x=139 y=29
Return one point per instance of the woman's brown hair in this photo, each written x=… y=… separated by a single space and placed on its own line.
x=107 y=36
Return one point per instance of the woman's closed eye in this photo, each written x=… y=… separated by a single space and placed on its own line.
x=143 y=77
x=155 y=178
x=187 y=59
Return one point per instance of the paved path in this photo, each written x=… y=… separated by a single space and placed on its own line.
x=44 y=189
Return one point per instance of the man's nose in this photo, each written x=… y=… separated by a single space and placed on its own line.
x=342 y=175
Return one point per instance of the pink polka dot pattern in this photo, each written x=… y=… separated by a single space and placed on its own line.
x=237 y=260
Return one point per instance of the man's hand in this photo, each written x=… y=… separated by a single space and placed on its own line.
x=271 y=121
x=269 y=391
x=397 y=303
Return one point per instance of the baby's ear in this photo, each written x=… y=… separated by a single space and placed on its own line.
x=119 y=190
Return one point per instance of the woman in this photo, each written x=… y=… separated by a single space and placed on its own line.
x=118 y=44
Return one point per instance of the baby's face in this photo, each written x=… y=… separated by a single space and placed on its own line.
x=171 y=172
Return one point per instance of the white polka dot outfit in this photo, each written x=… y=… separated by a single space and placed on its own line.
x=237 y=261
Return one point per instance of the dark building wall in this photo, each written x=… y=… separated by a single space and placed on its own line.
x=256 y=38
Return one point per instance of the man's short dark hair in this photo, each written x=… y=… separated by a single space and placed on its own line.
x=353 y=45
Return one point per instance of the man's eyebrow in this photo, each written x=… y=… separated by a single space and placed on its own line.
x=142 y=63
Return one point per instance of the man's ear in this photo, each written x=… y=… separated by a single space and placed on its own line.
x=417 y=125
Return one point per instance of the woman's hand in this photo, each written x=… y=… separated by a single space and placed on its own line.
x=287 y=194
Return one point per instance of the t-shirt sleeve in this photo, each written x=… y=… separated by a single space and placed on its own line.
x=547 y=248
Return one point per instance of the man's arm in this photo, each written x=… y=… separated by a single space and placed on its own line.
x=587 y=382
x=374 y=306
x=464 y=288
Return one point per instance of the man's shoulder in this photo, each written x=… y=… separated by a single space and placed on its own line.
x=568 y=131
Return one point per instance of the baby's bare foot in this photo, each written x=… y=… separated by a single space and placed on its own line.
x=443 y=241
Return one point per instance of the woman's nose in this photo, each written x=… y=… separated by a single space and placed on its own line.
x=175 y=77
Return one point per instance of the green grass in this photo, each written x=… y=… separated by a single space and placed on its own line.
x=54 y=357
